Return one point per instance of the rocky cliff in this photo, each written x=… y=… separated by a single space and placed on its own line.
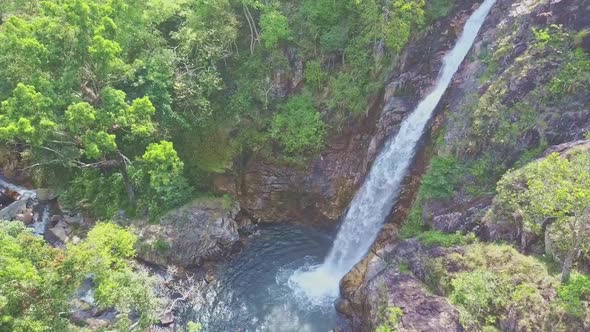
x=269 y=191
x=505 y=107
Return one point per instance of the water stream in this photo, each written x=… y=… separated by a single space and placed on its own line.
x=378 y=194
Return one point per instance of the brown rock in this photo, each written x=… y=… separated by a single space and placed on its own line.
x=60 y=232
x=383 y=285
x=202 y=230
x=26 y=217
x=166 y=319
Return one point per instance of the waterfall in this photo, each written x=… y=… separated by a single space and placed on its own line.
x=375 y=199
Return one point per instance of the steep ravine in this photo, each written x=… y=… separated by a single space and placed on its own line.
x=513 y=73
x=271 y=192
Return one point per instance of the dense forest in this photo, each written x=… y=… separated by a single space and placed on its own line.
x=130 y=105
x=128 y=110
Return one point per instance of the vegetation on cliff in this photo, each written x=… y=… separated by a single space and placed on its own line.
x=90 y=89
x=482 y=178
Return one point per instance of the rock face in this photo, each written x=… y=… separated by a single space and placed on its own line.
x=202 y=230
x=270 y=192
x=504 y=71
x=393 y=276
x=500 y=64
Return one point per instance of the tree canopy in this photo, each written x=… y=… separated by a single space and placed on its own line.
x=38 y=281
x=553 y=195
x=92 y=91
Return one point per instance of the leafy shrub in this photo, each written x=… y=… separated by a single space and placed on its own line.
x=438 y=238
x=406 y=16
x=193 y=327
x=100 y=195
x=480 y=295
x=440 y=180
x=161 y=177
x=413 y=225
x=575 y=294
x=542 y=36
x=573 y=76
x=436 y=9
x=334 y=39
x=275 y=27
x=37 y=281
x=392 y=317
x=161 y=245
x=314 y=75
x=493 y=282
x=556 y=188
x=298 y=127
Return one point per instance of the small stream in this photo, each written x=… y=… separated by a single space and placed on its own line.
x=252 y=291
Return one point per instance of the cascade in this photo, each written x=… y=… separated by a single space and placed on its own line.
x=378 y=194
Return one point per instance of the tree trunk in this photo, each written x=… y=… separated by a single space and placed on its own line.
x=128 y=186
x=566 y=268
x=568 y=262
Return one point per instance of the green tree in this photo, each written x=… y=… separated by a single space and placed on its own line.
x=275 y=27
x=162 y=170
x=405 y=17
x=37 y=281
x=77 y=81
x=298 y=127
x=553 y=195
x=205 y=37
x=314 y=74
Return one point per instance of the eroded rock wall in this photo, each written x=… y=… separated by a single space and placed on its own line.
x=482 y=120
x=271 y=192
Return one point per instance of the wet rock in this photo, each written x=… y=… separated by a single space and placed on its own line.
x=75 y=219
x=202 y=230
x=45 y=194
x=26 y=217
x=246 y=226
x=11 y=211
x=344 y=307
x=60 y=232
x=383 y=284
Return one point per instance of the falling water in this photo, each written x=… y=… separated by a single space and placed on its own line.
x=375 y=199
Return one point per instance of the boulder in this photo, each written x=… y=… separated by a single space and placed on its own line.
x=59 y=232
x=11 y=211
x=45 y=194
x=26 y=217
x=459 y=215
x=379 y=282
x=202 y=230
x=74 y=219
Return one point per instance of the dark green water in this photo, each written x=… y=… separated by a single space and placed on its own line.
x=252 y=293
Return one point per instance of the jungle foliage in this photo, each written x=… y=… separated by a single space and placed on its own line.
x=95 y=94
